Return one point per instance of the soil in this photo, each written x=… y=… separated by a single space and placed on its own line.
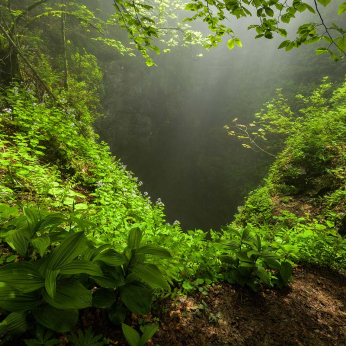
x=311 y=312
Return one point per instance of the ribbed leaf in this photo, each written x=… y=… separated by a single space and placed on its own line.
x=103 y=298
x=40 y=244
x=70 y=294
x=49 y=221
x=92 y=252
x=154 y=250
x=18 y=241
x=56 y=319
x=131 y=335
x=263 y=275
x=16 y=323
x=151 y=275
x=110 y=257
x=117 y=313
x=233 y=245
x=135 y=238
x=79 y=267
x=16 y=301
x=247 y=236
x=67 y=251
x=31 y=215
x=229 y=259
x=137 y=297
x=22 y=276
x=50 y=282
x=149 y=332
x=59 y=235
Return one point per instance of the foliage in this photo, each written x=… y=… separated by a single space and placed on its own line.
x=272 y=17
x=307 y=174
x=43 y=338
x=87 y=339
x=134 y=338
x=252 y=260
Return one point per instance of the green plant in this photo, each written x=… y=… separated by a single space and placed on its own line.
x=252 y=260
x=133 y=337
x=43 y=338
x=87 y=339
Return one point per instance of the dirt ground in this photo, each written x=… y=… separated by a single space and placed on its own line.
x=312 y=311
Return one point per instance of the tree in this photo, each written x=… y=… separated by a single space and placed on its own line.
x=153 y=25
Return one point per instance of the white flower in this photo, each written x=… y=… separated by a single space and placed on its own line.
x=99 y=183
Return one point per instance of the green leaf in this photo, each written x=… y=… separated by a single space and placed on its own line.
x=117 y=313
x=22 y=276
x=230 y=43
x=286 y=271
x=103 y=298
x=110 y=257
x=269 y=11
x=247 y=235
x=310 y=8
x=284 y=44
x=16 y=323
x=16 y=301
x=229 y=259
x=328 y=39
x=149 y=332
x=137 y=297
x=263 y=275
x=79 y=267
x=32 y=218
x=40 y=244
x=56 y=319
x=151 y=275
x=321 y=50
x=135 y=238
x=155 y=251
x=131 y=335
x=50 y=282
x=238 y=42
x=18 y=241
x=68 y=250
x=11 y=258
x=233 y=245
x=342 y=44
x=342 y=8
x=49 y=221
x=324 y=2
x=70 y=294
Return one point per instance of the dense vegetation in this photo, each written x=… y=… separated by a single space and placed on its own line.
x=77 y=233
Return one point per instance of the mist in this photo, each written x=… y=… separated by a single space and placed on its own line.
x=166 y=122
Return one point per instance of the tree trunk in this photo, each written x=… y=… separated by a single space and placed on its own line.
x=63 y=35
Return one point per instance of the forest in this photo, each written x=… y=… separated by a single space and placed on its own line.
x=172 y=172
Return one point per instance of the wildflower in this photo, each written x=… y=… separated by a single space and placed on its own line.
x=7 y=110
x=99 y=183
x=145 y=193
x=176 y=222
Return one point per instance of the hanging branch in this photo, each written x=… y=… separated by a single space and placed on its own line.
x=325 y=27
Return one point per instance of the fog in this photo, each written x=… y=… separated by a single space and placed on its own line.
x=166 y=122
